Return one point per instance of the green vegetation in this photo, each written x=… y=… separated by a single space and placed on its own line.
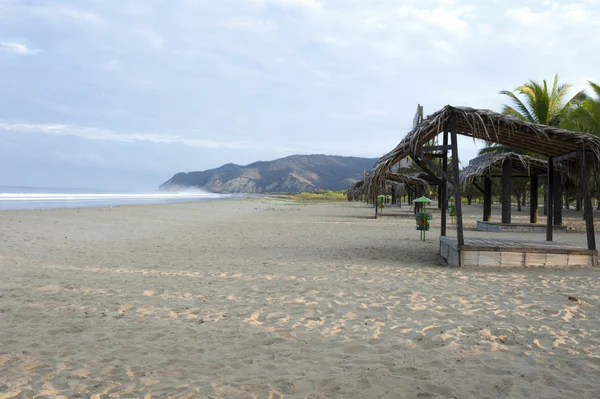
x=538 y=103
x=320 y=196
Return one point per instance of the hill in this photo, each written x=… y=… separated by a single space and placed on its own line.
x=293 y=174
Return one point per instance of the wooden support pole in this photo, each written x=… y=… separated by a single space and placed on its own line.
x=533 y=199
x=558 y=204
x=457 y=191
x=444 y=185
x=487 y=199
x=506 y=197
x=376 y=205
x=588 y=213
x=550 y=193
x=546 y=196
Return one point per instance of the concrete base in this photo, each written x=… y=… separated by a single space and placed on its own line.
x=516 y=227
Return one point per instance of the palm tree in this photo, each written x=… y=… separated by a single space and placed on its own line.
x=584 y=116
x=539 y=105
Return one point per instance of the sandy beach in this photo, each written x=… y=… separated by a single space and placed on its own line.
x=269 y=298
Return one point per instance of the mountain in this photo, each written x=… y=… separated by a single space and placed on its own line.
x=295 y=173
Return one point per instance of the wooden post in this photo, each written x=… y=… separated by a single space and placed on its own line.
x=376 y=205
x=546 y=197
x=443 y=187
x=557 y=200
x=487 y=199
x=506 y=202
x=588 y=213
x=550 y=193
x=533 y=199
x=457 y=192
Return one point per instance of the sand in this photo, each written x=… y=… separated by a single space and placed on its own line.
x=269 y=299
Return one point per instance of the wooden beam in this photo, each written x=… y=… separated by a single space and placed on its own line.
x=444 y=196
x=423 y=166
x=588 y=213
x=459 y=222
x=567 y=156
x=437 y=169
x=533 y=199
x=487 y=199
x=506 y=194
x=478 y=188
x=550 y=193
x=429 y=148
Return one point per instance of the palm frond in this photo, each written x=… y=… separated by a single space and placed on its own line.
x=520 y=111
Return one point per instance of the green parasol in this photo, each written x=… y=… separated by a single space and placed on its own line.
x=423 y=199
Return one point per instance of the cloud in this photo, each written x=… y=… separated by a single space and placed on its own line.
x=100 y=134
x=153 y=40
x=249 y=24
x=17 y=48
x=448 y=17
x=306 y=5
x=238 y=79
x=61 y=13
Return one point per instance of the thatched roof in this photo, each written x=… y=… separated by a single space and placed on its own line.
x=483 y=166
x=391 y=179
x=491 y=126
x=355 y=191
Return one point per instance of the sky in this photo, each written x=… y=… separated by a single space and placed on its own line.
x=123 y=94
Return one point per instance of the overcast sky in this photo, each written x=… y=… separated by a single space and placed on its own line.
x=115 y=93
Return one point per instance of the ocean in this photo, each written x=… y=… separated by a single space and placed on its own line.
x=52 y=198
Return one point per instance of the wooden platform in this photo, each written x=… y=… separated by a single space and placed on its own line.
x=516 y=227
x=487 y=252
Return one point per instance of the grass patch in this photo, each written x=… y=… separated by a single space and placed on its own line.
x=320 y=196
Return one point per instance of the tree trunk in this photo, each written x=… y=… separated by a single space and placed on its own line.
x=518 y=196
x=567 y=201
x=558 y=201
x=598 y=207
x=578 y=203
x=469 y=199
x=533 y=199
x=394 y=197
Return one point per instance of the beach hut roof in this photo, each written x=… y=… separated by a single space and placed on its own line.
x=547 y=141
x=482 y=166
x=399 y=180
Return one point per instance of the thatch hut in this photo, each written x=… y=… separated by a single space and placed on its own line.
x=393 y=182
x=573 y=151
x=508 y=166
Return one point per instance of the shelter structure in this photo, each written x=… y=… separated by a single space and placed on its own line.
x=415 y=183
x=573 y=151
x=508 y=166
